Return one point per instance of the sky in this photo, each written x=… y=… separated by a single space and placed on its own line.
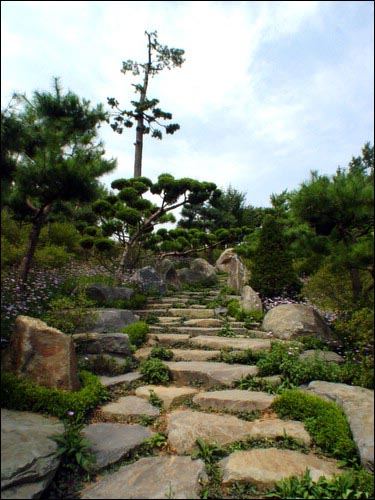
x=269 y=91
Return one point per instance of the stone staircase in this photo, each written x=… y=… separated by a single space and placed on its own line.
x=200 y=403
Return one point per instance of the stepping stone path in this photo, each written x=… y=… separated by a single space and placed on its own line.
x=200 y=402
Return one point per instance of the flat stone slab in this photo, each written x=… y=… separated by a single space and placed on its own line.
x=169 y=319
x=169 y=395
x=358 y=405
x=120 y=379
x=275 y=428
x=130 y=407
x=184 y=427
x=208 y=373
x=264 y=467
x=111 y=442
x=28 y=461
x=167 y=338
x=204 y=323
x=193 y=354
x=142 y=353
x=235 y=400
x=152 y=477
x=195 y=331
x=192 y=313
x=255 y=345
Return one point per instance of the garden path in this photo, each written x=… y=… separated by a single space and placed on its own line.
x=201 y=403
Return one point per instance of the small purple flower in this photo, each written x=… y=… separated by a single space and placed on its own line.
x=70 y=413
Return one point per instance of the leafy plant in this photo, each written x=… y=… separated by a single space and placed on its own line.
x=72 y=446
x=324 y=420
x=137 y=332
x=155 y=372
x=161 y=352
x=70 y=314
x=154 y=399
x=21 y=394
x=209 y=452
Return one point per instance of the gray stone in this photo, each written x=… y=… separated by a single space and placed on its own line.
x=112 y=320
x=168 y=274
x=238 y=274
x=234 y=400
x=328 y=356
x=208 y=373
x=98 y=343
x=167 y=338
x=42 y=354
x=149 y=280
x=290 y=321
x=169 y=395
x=130 y=407
x=127 y=378
x=192 y=313
x=184 y=427
x=104 y=293
x=358 y=405
x=193 y=354
x=264 y=467
x=277 y=428
x=255 y=345
x=250 y=300
x=224 y=261
x=28 y=461
x=111 y=442
x=204 y=322
x=205 y=270
x=152 y=477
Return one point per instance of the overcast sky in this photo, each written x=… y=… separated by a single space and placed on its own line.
x=269 y=90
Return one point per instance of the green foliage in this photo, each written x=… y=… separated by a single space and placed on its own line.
x=161 y=352
x=70 y=313
x=72 y=446
x=154 y=399
x=310 y=342
x=137 y=333
x=347 y=485
x=23 y=395
x=104 y=365
x=51 y=256
x=272 y=271
x=325 y=421
x=138 y=301
x=155 y=372
x=357 y=330
x=209 y=452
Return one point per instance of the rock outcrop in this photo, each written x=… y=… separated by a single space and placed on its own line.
x=290 y=321
x=42 y=354
x=28 y=462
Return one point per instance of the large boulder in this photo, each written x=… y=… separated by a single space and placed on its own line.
x=28 y=461
x=238 y=274
x=110 y=320
x=100 y=343
x=223 y=263
x=199 y=272
x=103 y=293
x=168 y=273
x=250 y=300
x=290 y=321
x=149 y=280
x=42 y=354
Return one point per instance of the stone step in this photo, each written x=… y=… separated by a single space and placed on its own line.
x=242 y=344
x=171 y=396
x=166 y=339
x=208 y=373
x=192 y=313
x=180 y=354
x=234 y=400
x=194 y=331
x=266 y=466
x=151 y=477
x=120 y=379
x=129 y=408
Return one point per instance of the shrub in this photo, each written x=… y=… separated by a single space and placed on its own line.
x=70 y=314
x=324 y=420
x=155 y=372
x=51 y=256
x=137 y=333
x=162 y=353
x=138 y=301
x=102 y=365
x=21 y=394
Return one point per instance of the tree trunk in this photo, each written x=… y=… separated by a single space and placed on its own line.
x=138 y=148
x=31 y=247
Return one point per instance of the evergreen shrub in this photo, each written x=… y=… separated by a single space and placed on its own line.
x=24 y=395
x=137 y=332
